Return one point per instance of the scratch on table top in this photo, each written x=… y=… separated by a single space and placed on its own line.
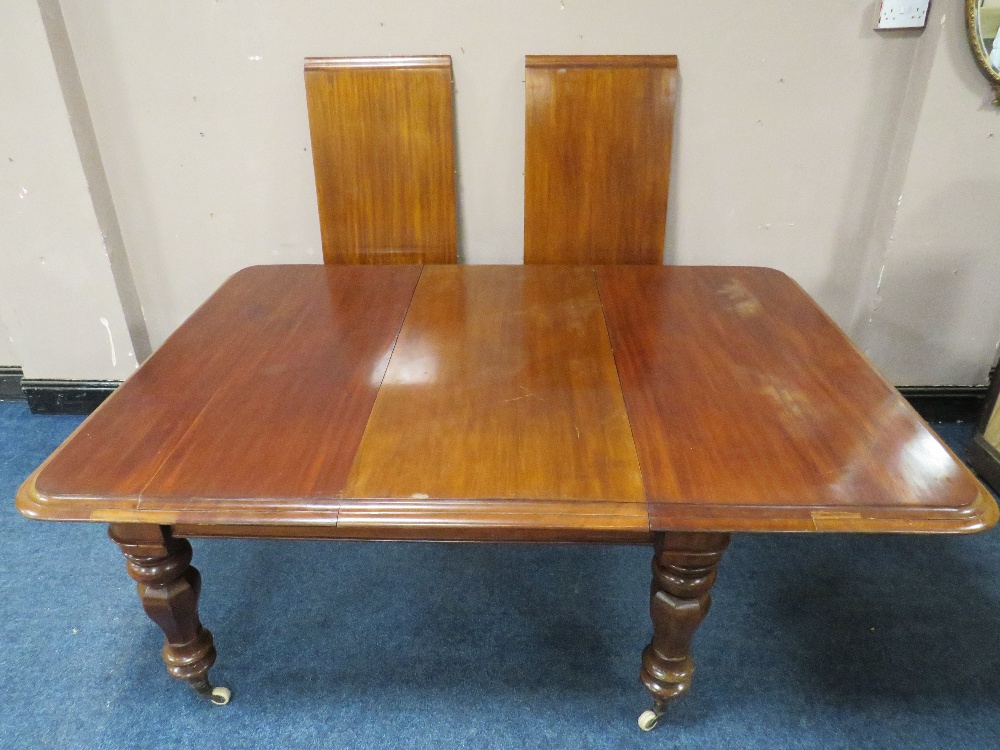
x=527 y=394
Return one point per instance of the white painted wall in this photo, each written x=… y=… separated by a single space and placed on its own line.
x=57 y=295
x=936 y=316
x=796 y=125
x=200 y=110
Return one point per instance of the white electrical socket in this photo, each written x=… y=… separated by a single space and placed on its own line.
x=903 y=14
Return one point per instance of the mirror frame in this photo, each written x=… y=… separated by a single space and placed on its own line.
x=972 y=30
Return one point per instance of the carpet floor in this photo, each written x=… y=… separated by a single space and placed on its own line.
x=818 y=641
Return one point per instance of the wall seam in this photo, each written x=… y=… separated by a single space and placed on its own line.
x=890 y=197
x=88 y=150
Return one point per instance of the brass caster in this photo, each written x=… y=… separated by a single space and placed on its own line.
x=648 y=719
x=218 y=695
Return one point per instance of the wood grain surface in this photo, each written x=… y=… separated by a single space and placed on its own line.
x=752 y=411
x=598 y=134
x=502 y=387
x=507 y=403
x=254 y=408
x=383 y=152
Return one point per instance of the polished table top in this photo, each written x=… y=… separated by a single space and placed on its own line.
x=508 y=402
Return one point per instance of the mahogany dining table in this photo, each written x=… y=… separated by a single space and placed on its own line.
x=662 y=405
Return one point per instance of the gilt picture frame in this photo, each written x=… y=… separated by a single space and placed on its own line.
x=986 y=58
x=984 y=450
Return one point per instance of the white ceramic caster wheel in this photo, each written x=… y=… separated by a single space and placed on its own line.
x=648 y=719
x=220 y=696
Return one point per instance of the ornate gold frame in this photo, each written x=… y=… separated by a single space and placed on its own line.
x=972 y=31
x=983 y=452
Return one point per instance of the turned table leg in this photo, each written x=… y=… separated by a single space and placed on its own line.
x=168 y=588
x=684 y=565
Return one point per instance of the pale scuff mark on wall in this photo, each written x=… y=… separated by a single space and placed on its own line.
x=111 y=341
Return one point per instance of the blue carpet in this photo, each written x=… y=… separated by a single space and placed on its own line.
x=813 y=642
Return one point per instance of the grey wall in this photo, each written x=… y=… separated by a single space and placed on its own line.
x=57 y=294
x=799 y=131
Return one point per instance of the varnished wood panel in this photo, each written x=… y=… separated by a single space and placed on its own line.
x=751 y=410
x=502 y=417
x=598 y=133
x=449 y=525
x=494 y=519
x=382 y=143
x=253 y=410
x=120 y=446
x=501 y=389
